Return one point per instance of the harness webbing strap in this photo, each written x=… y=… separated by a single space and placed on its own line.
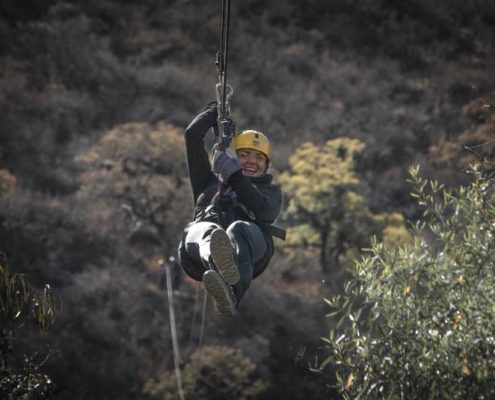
x=278 y=232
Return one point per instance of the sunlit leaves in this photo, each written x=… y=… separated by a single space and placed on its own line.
x=7 y=181
x=320 y=187
x=326 y=211
x=318 y=173
x=213 y=372
x=427 y=305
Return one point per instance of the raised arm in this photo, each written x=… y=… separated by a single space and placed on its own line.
x=198 y=163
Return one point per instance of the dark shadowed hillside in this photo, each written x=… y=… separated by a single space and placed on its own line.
x=95 y=96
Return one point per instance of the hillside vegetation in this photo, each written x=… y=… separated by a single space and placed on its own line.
x=95 y=96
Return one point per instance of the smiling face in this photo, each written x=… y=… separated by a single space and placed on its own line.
x=253 y=163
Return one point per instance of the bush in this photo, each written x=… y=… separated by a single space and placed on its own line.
x=21 y=377
x=7 y=181
x=214 y=372
x=136 y=173
x=417 y=321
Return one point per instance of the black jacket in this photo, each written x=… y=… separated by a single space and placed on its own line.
x=256 y=199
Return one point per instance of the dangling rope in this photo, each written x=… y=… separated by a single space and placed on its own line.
x=203 y=319
x=194 y=318
x=173 y=326
x=173 y=329
x=201 y=332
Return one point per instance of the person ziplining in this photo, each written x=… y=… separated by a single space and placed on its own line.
x=230 y=240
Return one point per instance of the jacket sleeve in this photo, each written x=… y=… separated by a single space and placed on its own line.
x=198 y=163
x=266 y=204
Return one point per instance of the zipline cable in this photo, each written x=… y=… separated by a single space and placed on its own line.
x=225 y=127
x=224 y=91
x=225 y=49
x=173 y=330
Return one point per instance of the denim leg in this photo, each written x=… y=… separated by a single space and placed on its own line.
x=250 y=246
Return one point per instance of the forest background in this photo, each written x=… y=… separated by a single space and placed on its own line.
x=93 y=181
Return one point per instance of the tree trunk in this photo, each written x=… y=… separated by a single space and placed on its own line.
x=325 y=251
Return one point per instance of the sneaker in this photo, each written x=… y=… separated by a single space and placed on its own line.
x=220 y=291
x=222 y=255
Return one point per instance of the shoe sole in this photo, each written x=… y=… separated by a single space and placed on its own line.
x=222 y=256
x=218 y=289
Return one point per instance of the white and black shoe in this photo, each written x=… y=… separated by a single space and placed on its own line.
x=222 y=256
x=221 y=292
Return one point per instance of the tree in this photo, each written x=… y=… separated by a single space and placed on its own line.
x=321 y=197
x=452 y=157
x=416 y=321
x=214 y=372
x=137 y=173
x=326 y=213
x=22 y=378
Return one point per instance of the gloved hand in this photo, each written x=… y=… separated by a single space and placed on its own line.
x=224 y=165
x=224 y=143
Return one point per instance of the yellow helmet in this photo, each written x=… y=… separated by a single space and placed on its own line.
x=253 y=140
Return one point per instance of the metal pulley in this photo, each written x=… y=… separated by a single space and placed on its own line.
x=224 y=93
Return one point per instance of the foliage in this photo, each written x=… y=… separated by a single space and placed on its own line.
x=7 y=181
x=391 y=73
x=22 y=379
x=452 y=157
x=136 y=172
x=417 y=321
x=320 y=190
x=325 y=211
x=394 y=232
x=48 y=238
x=214 y=372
